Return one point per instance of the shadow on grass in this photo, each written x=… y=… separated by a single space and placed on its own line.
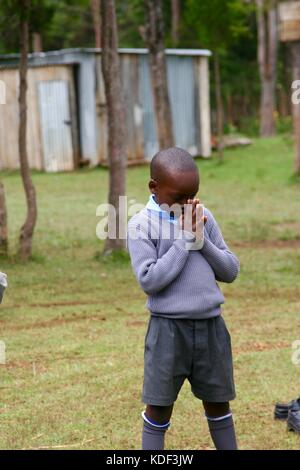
x=294 y=180
x=113 y=257
x=14 y=259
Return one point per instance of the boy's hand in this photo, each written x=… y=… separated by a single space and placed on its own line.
x=193 y=214
x=194 y=202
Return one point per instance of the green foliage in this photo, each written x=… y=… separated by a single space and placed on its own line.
x=42 y=13
x=9 y=36
x=284 y=125
x=227 y=28
x=62 y=24
x=249 y=125
x=71 y=26
x=130 y=15
x=215 y=25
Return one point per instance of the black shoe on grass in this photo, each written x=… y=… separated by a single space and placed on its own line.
x=293 y=421
x=282 y=409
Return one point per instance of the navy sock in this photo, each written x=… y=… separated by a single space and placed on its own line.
x=153 y=437
x=222 y=432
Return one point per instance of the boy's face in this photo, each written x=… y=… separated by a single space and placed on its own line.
x=175 y=188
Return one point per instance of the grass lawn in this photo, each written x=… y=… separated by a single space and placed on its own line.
x=74 y=323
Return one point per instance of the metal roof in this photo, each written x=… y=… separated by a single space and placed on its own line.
x=15 y=64
x=61 y=52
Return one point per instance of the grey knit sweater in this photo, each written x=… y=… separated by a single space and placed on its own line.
x=180 y=282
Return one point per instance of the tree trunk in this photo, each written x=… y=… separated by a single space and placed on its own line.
x=3 y=223
x=154 y=33
x=29 y=225
x=283 y=102
x=175 y=22
x=219 y=105
x=116 y=121
x=295 y=57
x=267 y=59
x=37 y=42
x=229 y=106
x=95 y=7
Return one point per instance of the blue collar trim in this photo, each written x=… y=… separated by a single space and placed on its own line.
x=153 y=206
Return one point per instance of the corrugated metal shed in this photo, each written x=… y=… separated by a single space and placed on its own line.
x=74 y=119
x=47 y=106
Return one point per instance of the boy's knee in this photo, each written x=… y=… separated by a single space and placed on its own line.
x=159 y=414
x=154 y=426
x=216 y=409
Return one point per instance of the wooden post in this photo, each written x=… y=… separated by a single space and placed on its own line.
x=95 y=7
x=289 y=17
x=154 y=34
x=204 y=107
x=267 y=34
x=116 y=123
x=37 y=42
x=175 y=7
x=28 y=227
x=295 y=54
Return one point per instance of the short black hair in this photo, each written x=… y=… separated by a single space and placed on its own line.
x=171 y=160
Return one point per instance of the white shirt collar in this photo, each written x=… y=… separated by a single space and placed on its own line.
x=153 y=206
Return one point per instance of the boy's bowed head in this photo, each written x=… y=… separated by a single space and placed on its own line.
x=174 y=181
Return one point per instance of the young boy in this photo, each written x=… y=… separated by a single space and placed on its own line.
x=186 y=336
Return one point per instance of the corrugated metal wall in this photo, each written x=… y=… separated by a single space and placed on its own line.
x=183 y=100
x=183 y=89
x=188 y=83
x=42 y=139
x=146 y=97
x=182 y=93
x=54 y=104
x=133 y=109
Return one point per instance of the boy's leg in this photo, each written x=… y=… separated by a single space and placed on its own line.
x=221 y=425
x=161 y=414
x=212 y=378
x=166 y=365
x=156 y=420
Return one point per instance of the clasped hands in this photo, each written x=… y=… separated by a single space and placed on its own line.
x=193 y=219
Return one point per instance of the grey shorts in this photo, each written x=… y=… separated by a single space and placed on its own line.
x=197 y=350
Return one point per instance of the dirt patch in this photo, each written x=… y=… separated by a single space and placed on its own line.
x=62 y=304
x=258 y=346
x=135 y=323
x=53 y=322
x=288 y=226
x=55 y=304
x=291 y=295
x=267 y=244
x=36 y=367
x=43 y=362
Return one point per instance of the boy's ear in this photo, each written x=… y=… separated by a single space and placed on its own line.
x=152 y=185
